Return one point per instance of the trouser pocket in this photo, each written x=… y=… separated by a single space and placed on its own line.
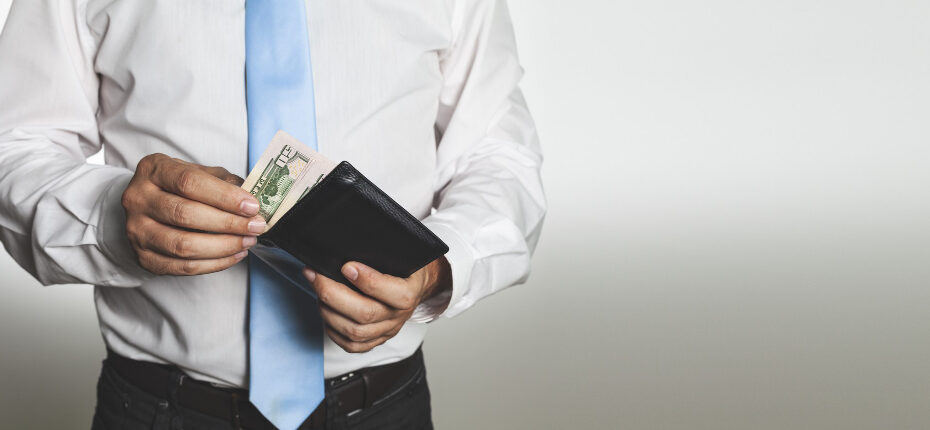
x=113 y=402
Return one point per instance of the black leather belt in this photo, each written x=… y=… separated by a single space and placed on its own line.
x=355 y=391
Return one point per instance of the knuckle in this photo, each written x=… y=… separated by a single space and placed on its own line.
x=134 y=197
x=232 y=223
x=325 y=293
x=188 y=267
x=149 y=164
x=152 y=265
x=180 y=212
x=357 y=333
x=128 y=198
x=366 y=278
x=407 y=301
x=187 y=181
x=137 y=231
x=183 y=246
x=369 y=313
x=134 y=244
x=132 y=228
x=357 y=348
x=165 y=206
x=147 y=161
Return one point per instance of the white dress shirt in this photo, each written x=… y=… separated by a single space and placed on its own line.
x=420 y=95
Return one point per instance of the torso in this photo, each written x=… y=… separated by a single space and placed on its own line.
x=172 y=80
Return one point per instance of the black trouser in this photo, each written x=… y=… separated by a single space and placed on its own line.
x=121 y=405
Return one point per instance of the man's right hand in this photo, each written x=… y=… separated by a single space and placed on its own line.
x=187 y=219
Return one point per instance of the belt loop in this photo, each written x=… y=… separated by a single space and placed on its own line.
x=235 y=412
x=175 y=394
x=172 y=406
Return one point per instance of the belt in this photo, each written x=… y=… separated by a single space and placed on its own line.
x=354 y=391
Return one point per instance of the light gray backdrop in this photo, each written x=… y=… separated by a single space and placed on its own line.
x=739 y=233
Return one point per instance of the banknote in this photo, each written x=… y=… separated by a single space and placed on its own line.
x=283 y=174
x=319 y=167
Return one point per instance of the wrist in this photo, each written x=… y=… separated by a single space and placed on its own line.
x=439 y=281
x=112 y=238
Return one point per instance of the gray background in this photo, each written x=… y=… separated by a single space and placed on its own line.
x=737 y=239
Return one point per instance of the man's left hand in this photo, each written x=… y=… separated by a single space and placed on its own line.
x=357 y=322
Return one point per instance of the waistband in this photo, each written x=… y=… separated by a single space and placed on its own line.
x=356 y=390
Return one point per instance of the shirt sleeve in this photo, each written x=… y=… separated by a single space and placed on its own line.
x=60 y=218
x=490 y=203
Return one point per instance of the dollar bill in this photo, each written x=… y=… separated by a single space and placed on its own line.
x=283 y=174
x=319 y=168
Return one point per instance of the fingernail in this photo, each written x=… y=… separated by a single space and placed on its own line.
x=241 y=255
x=310 y=274
x=249 y=241
x=249 y=207
x=257 y=226
x=351 y=272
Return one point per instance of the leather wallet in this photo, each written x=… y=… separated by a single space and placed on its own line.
x=346 y=218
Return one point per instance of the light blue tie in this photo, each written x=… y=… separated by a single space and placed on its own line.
x=285 y=329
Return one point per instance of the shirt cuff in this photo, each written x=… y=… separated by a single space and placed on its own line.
x=461 y=260
x=112 y=239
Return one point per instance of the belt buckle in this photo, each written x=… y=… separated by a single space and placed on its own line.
x=342 y=380
x=352 y=382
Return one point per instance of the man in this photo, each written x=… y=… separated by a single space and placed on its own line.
x=420 y=95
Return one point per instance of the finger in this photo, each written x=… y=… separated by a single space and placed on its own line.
x=354 y=347
x=224 y=175
x=173 y=242
x=195 y=183
x=358 y=332
x=218 y=171
x=163 y=265
x=342 y=299
x=396 y=292
x=178 y=211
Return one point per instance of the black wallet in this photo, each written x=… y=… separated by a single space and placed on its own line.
x=347 y=218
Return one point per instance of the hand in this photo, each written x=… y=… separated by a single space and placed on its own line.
x=187 y=219
x=358 y=323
